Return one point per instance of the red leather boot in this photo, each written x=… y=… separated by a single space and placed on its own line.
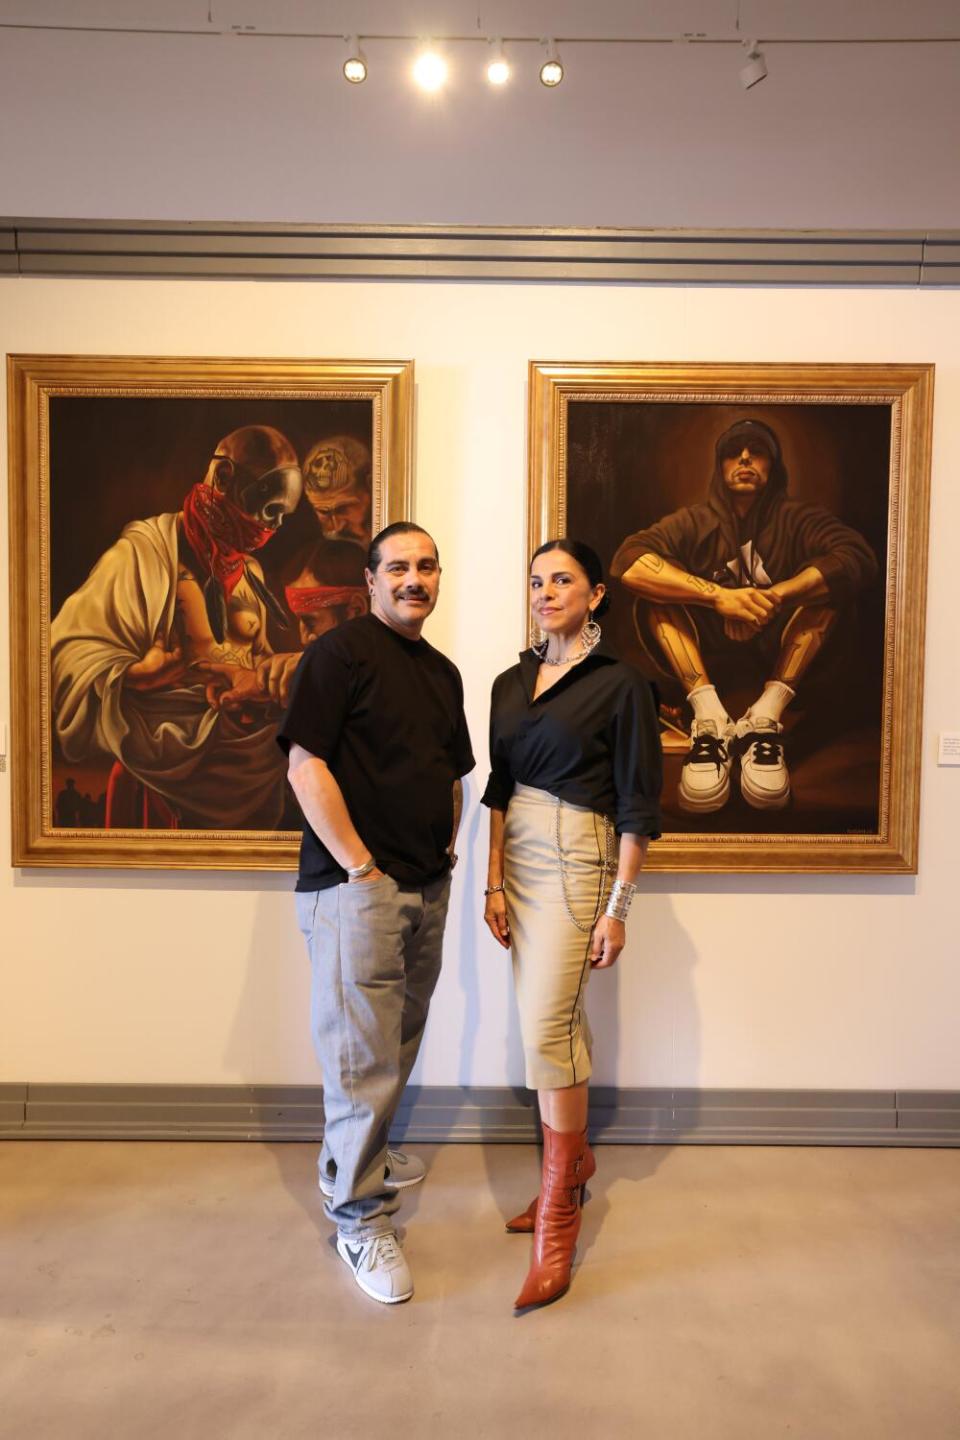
x=558 y=1218
x=525 y=1222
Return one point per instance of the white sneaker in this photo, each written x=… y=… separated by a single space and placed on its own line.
x=378 y=1265
x=705 y=774
x=764 y=778
x=401 y=1172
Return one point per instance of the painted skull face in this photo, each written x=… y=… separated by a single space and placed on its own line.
x=336 y=477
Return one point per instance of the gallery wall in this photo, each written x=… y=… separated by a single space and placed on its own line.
x=837 y=981
x=257 y=127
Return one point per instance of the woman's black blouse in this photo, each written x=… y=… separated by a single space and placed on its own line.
x=592 y=739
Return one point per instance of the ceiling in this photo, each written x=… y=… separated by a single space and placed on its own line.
x=194 y=123
x=783 y=20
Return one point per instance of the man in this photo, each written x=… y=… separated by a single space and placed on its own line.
x=750 y=568
x=377 y=744
x=328 y=588
x=336 y=480
x=161 y=660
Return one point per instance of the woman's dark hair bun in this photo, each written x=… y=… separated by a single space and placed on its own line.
x=589 y=562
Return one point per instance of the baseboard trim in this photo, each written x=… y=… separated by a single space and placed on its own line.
x=486 y=1115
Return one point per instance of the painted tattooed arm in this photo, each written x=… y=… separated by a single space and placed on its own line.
x=807 y=584
x=657 y=579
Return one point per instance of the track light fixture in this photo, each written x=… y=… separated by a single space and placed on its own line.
x=430 y=69
x=498 y=68
x=755 y=69
x=355 y=62
x=551 y=71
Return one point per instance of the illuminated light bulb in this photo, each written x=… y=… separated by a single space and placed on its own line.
x=430 y=70
x=498 y=69
x=355 y=64
x=551 y=71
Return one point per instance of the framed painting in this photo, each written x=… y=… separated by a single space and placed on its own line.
x=180 y=530
x=764 y=533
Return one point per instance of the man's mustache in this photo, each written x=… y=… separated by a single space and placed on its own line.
x=417 y=593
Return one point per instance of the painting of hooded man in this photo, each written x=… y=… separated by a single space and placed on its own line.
x=748 y=545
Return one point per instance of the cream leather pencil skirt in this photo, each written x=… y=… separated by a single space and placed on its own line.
x=547 y=887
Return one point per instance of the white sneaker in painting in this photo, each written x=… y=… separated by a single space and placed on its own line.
x=705 y=774
x=764 y=778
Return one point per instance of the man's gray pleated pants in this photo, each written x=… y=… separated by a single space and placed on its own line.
x=375 y=950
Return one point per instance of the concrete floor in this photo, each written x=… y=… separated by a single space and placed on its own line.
x=192 y=1290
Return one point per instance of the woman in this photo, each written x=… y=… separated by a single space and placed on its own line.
x=575 y=762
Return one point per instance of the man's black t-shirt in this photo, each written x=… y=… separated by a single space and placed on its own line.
x=386 y=714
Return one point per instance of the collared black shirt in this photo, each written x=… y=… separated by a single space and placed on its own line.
x=386 y=714
x=592 y=739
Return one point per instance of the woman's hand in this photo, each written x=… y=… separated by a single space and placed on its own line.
x=495 y=914
x=606 y=942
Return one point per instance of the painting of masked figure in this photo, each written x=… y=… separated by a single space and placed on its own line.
x=763 y=531
x=202 y=523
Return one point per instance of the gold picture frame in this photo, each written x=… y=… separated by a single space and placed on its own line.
x=613 y=448
x=98 y=442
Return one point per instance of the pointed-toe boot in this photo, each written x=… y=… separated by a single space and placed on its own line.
x=525 y=1222
x=558 y=1219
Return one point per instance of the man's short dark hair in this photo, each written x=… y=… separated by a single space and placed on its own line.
x=399 y=527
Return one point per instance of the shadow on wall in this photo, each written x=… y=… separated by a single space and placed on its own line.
x=478 y=952
x=270 y=1036
x=269 y=1041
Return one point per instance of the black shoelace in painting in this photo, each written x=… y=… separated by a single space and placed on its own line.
x=768 y=751
x=707 y=750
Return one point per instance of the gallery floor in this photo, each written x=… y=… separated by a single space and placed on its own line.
x=192 y=1290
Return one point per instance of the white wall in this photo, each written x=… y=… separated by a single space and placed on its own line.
x=764 y=981
x=261 y=128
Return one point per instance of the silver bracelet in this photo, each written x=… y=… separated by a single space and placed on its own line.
x=494 y=890
x=357 y=872
x=621 y=898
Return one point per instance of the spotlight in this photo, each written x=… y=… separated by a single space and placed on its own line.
x=551 y=71
x=498 y=70
x=430 y=70
x=755 y=69
x=355 y=65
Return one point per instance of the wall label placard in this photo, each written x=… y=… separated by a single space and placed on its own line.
x=949 y=749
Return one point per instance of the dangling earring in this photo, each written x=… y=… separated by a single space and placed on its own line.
x=539 y=645
x=591 y=632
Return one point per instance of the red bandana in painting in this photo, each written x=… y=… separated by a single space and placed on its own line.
x=220 y=534
x=308 y=599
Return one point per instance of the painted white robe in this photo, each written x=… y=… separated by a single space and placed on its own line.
x=213 y=771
